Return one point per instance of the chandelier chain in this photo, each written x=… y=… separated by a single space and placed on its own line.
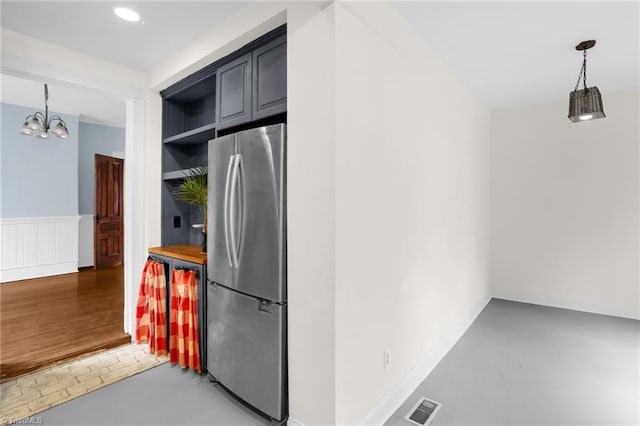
x=583 y=72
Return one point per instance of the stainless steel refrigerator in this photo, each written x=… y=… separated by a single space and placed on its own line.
x=246 y=260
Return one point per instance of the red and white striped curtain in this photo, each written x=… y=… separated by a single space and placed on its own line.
x=183 y=325
x=151 y=324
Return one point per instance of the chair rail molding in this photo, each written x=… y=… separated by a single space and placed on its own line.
x=35 y=247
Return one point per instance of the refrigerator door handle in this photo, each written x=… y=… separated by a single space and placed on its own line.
x=232 y=210
x=241 y=206
x=226 y=208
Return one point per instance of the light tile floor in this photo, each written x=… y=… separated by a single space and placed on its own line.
x=35 y=392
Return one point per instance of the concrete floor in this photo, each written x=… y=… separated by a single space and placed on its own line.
x=518 y=364
x=523 y=364
x=164 y=395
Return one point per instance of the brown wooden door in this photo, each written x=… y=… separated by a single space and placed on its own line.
x=108 y=232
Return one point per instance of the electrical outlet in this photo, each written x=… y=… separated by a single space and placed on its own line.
x=386 y=359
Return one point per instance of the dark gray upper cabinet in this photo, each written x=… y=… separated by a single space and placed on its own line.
x=270 y=79
x=233 y=103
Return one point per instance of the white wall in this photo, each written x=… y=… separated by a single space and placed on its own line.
x=564 y=202
x=39 y=178
x=311 y=211
x=411 y=209
x=310 y=192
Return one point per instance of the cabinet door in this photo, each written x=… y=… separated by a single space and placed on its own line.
x=270 y=79
x=233 y=98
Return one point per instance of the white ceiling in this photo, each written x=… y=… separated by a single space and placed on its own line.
x=515 y=53
x=509 y=53
x=92 y=28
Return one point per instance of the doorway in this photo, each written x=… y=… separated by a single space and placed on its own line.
x=108 y=224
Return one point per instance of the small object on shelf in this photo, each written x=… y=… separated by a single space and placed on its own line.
x=204 y=236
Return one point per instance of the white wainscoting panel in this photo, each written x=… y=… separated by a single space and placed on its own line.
x=85 y=241
x=38 y=247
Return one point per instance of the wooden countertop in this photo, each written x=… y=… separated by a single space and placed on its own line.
x=186 y=252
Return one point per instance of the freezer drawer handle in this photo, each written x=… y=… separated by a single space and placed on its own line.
x=264 y=306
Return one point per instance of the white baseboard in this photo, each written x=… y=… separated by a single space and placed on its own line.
x=293 y=422
x=38 y=247
x=38 y=271
x=629 y=313
x=395 y=399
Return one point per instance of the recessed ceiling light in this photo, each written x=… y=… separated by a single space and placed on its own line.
x=126 y=14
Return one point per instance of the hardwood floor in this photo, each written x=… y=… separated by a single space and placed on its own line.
x=50 y=319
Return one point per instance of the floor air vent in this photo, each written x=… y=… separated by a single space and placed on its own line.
x=423 y=412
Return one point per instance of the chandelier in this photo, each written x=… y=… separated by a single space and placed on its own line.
x=39 y=124
x=586 y=103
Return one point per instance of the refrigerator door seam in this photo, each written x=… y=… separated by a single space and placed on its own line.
x=235 y=290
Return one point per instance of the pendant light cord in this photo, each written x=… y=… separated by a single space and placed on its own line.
x=583 y=73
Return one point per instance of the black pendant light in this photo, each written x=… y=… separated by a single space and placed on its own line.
x=39 y=124
x=586 y=103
